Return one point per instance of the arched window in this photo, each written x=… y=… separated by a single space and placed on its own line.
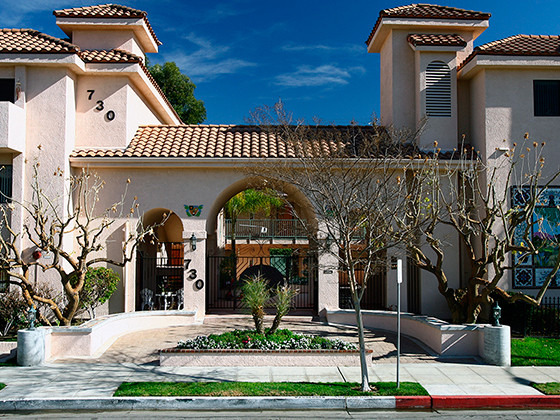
x=438 y=90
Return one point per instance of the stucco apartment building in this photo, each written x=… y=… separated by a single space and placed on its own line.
x=90 y=102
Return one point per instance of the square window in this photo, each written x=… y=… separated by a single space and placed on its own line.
x=7 y=90
x=546 y=95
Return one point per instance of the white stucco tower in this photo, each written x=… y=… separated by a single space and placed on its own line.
x=421 y=46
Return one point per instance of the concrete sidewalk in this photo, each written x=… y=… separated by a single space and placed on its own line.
x=101 y=380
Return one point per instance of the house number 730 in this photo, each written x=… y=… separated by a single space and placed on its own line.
x=110 y=115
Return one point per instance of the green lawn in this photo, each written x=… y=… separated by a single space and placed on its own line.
x=288 y=389
x=549 y=388
x=2 y=385
x=535 y=351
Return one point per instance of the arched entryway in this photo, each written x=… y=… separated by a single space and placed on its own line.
x=159 y=270
x=275 y=247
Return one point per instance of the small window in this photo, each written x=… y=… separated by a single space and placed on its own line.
x=5 y=183
x=438 y=90
x=7 y=90
x=546 y=95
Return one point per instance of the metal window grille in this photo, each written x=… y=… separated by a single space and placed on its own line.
x=438 y=90
x=546 y=96
x=5 y=183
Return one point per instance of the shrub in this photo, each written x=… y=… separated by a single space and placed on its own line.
x=251 y=339
x=255 y=295
x=13 y=308
x=100 y=284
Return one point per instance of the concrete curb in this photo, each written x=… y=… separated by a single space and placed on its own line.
x=285 y=403
x=495 y=401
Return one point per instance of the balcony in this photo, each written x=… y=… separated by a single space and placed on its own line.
x=12 y=128
x=266 y=229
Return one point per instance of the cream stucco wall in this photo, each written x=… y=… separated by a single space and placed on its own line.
x=99 y=39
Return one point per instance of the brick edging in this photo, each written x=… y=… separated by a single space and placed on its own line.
x=258 y=351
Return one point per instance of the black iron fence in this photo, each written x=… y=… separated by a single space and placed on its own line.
x=225 y=275
x=266 y=229
x=529 y=320
x=375 y=294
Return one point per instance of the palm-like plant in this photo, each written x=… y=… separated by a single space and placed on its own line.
x=255 y=296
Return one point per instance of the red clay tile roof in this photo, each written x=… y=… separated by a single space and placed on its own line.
x=107 y=11
x=35 y=42
x=521 y=45
x=427 y=11
x=438 y=40
x=31 y=41
x=213 y=141
x=109 y=56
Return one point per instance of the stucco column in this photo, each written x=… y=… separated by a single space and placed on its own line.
x=327 y=283
x=195 y=271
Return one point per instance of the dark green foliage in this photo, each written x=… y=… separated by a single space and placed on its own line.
x=535 y=351
x=99 y=285
x=179 y=90
x=229 y=389
x=251 y=339
x=2 y=385
x=13 y=309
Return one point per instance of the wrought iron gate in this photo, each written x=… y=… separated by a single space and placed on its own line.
x=226 y=274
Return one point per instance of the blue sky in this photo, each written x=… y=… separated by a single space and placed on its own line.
x=310 y=54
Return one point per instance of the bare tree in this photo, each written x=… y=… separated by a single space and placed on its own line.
x=353 y=177
x=491 y=207
x=48 y=222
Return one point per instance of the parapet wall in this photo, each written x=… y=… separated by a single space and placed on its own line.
x=95 y=336
x=441 y=337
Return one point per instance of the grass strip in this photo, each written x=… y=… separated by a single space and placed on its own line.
x=254 y=389
x=535 y=351
x=548 y=388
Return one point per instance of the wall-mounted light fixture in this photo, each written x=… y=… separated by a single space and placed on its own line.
x=193 y=242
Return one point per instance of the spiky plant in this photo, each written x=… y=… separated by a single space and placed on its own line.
x=255 y=296
x=284 y=296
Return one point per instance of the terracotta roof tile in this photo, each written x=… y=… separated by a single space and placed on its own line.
x=32 y=41
x=109 y=56
x=521 y=45
x=218 y=141
x=427 y=11
x=107 y=11
x=439 y=40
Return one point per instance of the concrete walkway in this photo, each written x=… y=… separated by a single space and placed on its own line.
x=101 y=380
x=143 y=347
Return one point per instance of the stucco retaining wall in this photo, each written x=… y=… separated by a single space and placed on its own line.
x=95 y=336
x=250 y=357
x=443 y=338
x=7 y=346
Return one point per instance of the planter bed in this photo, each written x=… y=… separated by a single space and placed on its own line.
x=252 y=357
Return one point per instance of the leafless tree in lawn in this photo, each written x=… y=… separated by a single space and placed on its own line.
x=47 y=223
x=354 y=178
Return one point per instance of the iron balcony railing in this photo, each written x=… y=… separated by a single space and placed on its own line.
x=266 y=229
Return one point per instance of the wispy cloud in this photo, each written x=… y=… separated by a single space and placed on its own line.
x=13 y=13
x=321 y=48
x=307 y=76
x=208 y=61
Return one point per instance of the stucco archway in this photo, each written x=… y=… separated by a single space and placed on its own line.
x=159 y=268
x=295 y=262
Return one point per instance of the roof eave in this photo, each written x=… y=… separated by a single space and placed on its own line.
x=387 y=24
x=138 y=25
x=481 y=61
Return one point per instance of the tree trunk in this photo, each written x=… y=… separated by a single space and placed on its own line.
x=258 y=318
x=363 y=356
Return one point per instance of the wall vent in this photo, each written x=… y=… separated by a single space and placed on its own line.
x=438 y=90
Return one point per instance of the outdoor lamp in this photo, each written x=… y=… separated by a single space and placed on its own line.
x=496 y=314
x=31 y=314
x=193 y=242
